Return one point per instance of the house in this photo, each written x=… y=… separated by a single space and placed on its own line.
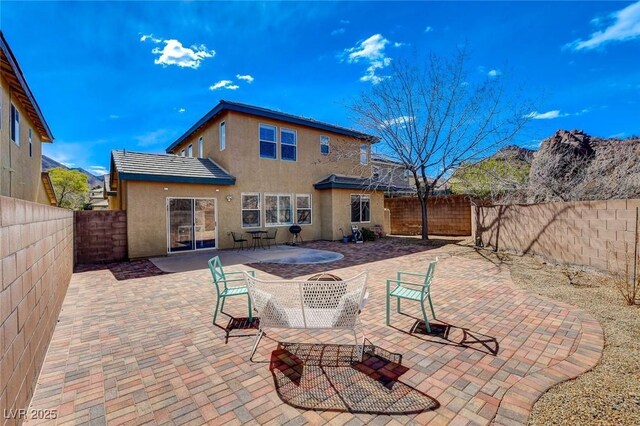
x=97 y=201
x=394 y=178
x=23 y=129
x=242 y=168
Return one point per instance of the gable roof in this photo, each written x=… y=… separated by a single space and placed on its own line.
x=168 y=168
x=271 y=114
x=13 y=74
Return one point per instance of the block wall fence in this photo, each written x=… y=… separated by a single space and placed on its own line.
x=101 y=236
x=447 y=215
x=36 y=251
x=587 y=233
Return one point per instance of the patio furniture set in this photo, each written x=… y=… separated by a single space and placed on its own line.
x=258 y=239
x=317 y=303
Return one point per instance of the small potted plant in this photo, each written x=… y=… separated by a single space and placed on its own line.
x=345 y=238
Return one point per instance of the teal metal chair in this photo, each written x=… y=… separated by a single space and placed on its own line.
x=221 y=280
x=412 y=290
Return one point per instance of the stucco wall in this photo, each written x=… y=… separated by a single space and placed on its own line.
x=19 y=172
x=586 y=233
x=36 y=254
x=147 y=213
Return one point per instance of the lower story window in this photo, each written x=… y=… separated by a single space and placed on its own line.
x=303 y=209
x=278 y=209
x=251 y=217
x=360 y=208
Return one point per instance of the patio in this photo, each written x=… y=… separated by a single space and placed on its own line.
x=134 y=344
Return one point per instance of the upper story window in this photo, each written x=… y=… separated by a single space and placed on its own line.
x=324 y=145
x=200 y=148
x=267 y=141
x=223 y=136
x=30 y=143
x=288 y=148
x=190 y=150
x=364 y=154
x=182 y=153
x=15 y=125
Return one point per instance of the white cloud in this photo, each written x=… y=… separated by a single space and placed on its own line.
x=114 y=116
x=398 y=121
x=338 y=31
x=535 y=115
x=370 y=50
x=146 y=37
x=153 y=138
x=428 y=29
x=97 y=170
x=625 y=26
x=494 y=73
x=174 y=53
x=617 y=135
x=224 y=84
x=345 y=21
x=399 y=44
x=246 y=77
x=181 y=110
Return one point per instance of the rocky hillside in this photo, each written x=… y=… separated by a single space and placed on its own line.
x=50 y=163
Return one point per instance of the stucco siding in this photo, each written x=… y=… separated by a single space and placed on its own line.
x=19 y=172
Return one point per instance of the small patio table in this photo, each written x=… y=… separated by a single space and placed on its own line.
x=257 y=238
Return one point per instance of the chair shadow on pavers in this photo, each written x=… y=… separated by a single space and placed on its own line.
x=331 y=378
x=125 y=270
x=450 y=335
x=240 y=323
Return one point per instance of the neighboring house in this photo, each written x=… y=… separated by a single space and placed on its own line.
x=393 y=177
x=23 y=129
x=242 y=168
x=97 y=200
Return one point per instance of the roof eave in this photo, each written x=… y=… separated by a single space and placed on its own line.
x=175 y=179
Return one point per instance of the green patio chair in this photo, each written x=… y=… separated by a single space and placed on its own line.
x=221 y=280
x=416 y=291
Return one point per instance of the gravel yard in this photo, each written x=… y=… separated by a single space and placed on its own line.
x=610 y=393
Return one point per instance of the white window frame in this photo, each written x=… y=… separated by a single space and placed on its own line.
x=310 y=209
x=223 y=136
x=361 y=196
x=182 y=153
x=325 y=141
x=14 y=128
x=295 y=143
x=190 y=150
x=30 y=142
x=200 y=147
x=364 y=154
x=275 y=141
x=259 y=209
x=282 y=194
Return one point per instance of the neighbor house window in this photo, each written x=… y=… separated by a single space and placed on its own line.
x=364 y=154
x=288 y=140
x=324 y=145
x=223 y=136
x=200 y=148
x=182 y=153
x=190 y=150
x=360 y=208
x=30 y=143
x=277 y=209
x=15 y=125
x=267 y=141
x=303 y=209
x=251 y=217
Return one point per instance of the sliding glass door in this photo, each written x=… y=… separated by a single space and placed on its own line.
x=191 y=224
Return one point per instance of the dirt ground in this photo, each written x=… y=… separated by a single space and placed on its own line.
x=610 y=393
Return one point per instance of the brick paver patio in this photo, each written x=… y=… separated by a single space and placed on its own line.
x=143 y=350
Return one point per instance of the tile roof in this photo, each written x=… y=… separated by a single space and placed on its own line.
x=168 y=168
x=355 y=182
x=269 y=113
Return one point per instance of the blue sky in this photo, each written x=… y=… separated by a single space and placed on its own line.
x=136 y=75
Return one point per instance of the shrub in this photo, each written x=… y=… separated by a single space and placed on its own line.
x=368 y=234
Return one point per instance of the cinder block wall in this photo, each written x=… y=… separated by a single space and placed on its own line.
x=588 y=233
x=447 y=215
x=101 y=236
x=36 y=250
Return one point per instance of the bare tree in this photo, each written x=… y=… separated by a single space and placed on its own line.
x=432 y=116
